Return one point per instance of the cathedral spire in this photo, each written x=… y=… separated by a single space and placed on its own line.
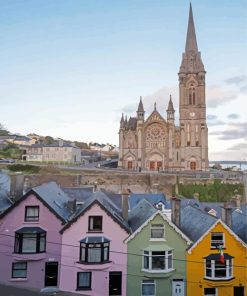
x=140 y=106
x=191 y=44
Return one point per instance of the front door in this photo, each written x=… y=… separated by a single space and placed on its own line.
x=152 y=165
x=51 y=271
x=159 y=165
x=178 y=287
x=193 y=165
x=129 y=165
x=238 y=291
x=115 y=283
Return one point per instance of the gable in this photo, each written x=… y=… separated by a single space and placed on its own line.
x=158 y=217
x=231 y=239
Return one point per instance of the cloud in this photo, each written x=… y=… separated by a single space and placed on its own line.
x=216 y=96
x=233 y=116
x=216 y=123
x=234 y=131
x=211 y=117
x=129 y=109
x=236 y=80
x=240 y=146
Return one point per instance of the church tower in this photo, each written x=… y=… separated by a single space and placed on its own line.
x=192 y=105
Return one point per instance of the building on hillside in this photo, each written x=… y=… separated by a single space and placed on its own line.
x=157 y=143
x=30 y=240
x=57 y=152
x=154 y=248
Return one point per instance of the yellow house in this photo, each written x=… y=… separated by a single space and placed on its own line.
x=208 y=274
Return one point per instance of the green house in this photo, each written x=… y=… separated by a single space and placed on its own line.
x=156 y=254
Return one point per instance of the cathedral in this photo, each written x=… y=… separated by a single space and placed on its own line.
x=156 y=143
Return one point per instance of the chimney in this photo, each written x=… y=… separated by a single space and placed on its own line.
x=176 y=209
x=16 y=186
x=71 y=205
x=226 y=215
x=125 y=203
x=196 y=196
x=95 y=186
x=60 y=143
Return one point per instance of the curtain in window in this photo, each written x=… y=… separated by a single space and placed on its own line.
x=84 y=279
x=29 y=243
x=148 y=289
x=94 y=254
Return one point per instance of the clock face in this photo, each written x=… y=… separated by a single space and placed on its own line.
x=192 y=114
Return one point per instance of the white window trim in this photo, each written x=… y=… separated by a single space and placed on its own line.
x=150 y=263
x=154 y=288
x=154 y=239
x=223 y=239
x=228 y=276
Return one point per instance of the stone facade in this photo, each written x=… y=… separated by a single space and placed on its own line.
x=157 y=143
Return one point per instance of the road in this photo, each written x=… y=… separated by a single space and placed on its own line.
x=14 y=291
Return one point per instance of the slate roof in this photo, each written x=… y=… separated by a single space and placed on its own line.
x=78 y=193
x=195 y=222
x=140 y=213
x=132 y=123
x=104 y=201
x=135 y=198
x=217 y=206
x=239 y=222
x=54 y=197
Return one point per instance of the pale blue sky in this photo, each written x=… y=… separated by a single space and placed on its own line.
x=69 y=68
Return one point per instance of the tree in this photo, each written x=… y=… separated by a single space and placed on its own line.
x=3 y=130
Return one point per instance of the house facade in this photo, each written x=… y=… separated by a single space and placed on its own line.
x=156 y=258
x=57 y=152
x=216 y=263
x=94 y=256
x=30 y=239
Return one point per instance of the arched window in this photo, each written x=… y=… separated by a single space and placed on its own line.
x=194 y=96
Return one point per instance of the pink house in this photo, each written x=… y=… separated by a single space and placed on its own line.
x=30 y=241
x=94 y=256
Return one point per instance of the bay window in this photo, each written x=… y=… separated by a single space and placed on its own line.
x=158 y=261
x=94 y=250
x=30 y=240
x=216 y=270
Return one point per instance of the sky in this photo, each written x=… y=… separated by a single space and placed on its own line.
x=69 y=69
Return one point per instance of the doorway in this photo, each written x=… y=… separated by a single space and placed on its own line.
x=115 y=283
x=193 y=165
x=178 y=287
x=51 y=272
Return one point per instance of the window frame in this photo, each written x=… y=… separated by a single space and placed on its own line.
x=212 y=268
x=89 y=287
x=147 y=262
x=13 y=270
x=89 y=223
x=104 y=250
x=157 y=226
x=27 y=218
x=19 y=238
x=215 y=246
x=145 y=282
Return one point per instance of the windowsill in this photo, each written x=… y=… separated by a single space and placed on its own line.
x=157 y=270
x=94 y=231
x=29 y=256
x=31 y=222
x=157 y=239
x=219 y=279
x=18 y=280
x=83 y=289
x=215 y=248
x=91 y=266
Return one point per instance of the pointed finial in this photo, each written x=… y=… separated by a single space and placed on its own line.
x=191 y=43
x=170 y=105
x=140 y=106
x=155 y=106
